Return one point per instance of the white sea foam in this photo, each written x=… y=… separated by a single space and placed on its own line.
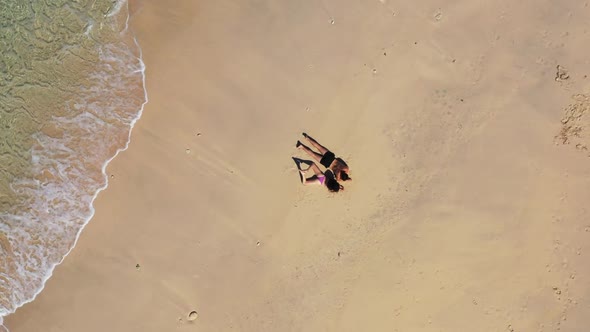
x=71 y=169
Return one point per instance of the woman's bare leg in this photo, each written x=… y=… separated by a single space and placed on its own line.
x=315 y=143
x=302 y=176
x=310 y=152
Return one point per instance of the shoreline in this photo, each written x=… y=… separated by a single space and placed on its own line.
x=49 y=273
x=103 y=169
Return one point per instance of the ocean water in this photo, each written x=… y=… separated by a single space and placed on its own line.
x=71 y=89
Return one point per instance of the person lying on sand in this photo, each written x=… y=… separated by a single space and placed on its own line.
x=320 y=178
x=326 y=158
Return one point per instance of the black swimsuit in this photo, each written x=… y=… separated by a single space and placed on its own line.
x=327 y=159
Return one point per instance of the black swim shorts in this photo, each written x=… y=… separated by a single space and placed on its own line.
x=327 y=159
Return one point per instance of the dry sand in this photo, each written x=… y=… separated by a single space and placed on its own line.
x=466 y=213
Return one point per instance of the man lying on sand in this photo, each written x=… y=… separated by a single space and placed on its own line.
x=326 y=158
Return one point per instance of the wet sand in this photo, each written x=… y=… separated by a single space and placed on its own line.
x=468 y=206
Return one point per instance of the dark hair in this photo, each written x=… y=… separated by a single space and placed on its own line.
x=333 y=185
x=344 y=176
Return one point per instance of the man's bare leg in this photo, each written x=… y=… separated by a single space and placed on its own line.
x=315 y=143
x=313 y=154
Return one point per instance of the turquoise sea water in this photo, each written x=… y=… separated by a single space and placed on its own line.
x=71 y=89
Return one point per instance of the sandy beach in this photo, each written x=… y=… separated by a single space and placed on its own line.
x=468 y=209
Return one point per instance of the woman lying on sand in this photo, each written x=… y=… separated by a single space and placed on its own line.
x=319 y=178
x=326 y=158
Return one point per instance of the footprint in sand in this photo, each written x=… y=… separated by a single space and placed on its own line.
x=192 y=316
x=438 y=16
x=441 y=100
x=561 y=74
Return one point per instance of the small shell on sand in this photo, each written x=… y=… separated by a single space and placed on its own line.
x=193 y=315
x=188 y=151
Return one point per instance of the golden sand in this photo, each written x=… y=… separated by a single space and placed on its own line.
x=466 y=212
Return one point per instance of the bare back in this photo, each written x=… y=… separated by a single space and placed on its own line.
x=337 y=166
